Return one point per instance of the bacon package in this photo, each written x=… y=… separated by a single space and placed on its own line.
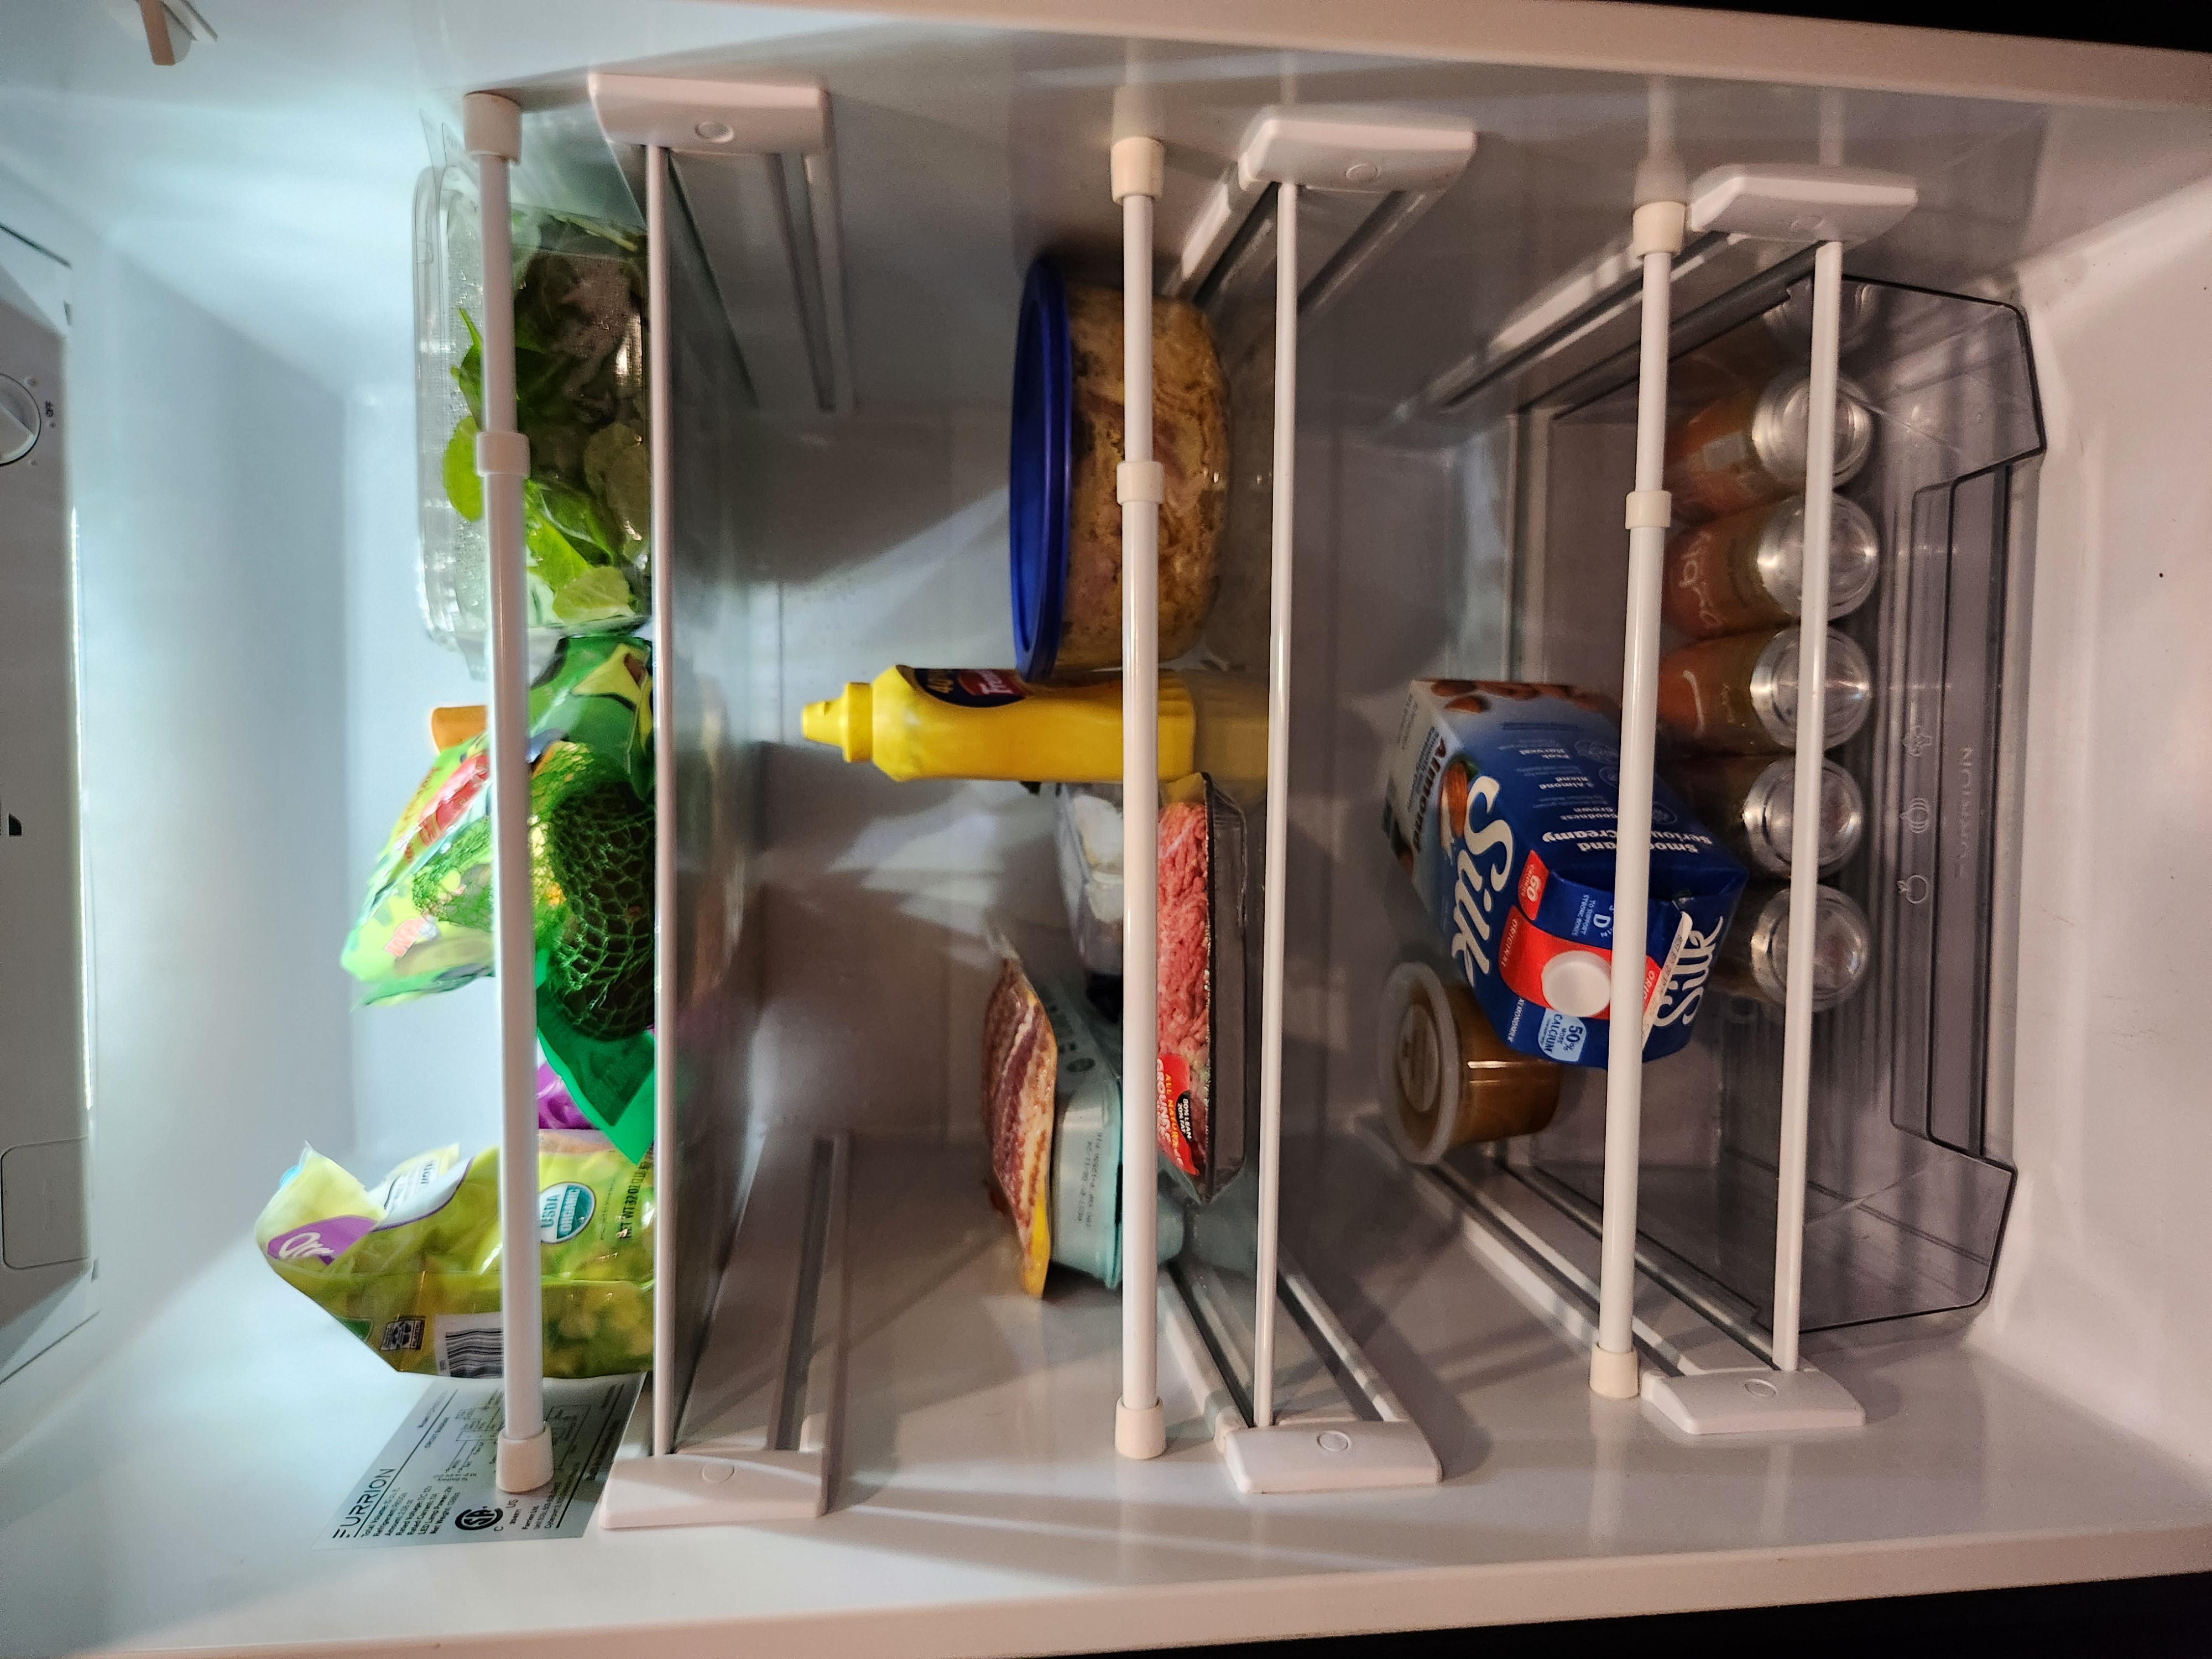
x=1021 y=1062
x=1503 y=801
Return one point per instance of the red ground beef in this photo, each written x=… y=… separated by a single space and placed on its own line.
x=1185 y=944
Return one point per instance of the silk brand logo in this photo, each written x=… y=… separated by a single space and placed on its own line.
x=1687 y=968
x=1481 y=857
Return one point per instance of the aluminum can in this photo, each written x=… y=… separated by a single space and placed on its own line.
x=1789 y=324
x=1738 y=695
x=1750 y=802
x=1749 y=448
x=1754 y=956
x=1747 y=570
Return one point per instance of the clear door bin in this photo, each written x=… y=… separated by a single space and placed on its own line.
x=1907 y=1196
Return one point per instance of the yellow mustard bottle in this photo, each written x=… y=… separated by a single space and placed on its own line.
x=990 y=723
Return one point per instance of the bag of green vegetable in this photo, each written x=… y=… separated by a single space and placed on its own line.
x=412 y=1268
x=426 y=923
x=579 y=372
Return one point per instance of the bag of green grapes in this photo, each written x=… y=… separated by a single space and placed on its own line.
x=411 y=1267
x=426 y=923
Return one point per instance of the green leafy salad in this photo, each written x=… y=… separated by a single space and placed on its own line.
x=580 y=394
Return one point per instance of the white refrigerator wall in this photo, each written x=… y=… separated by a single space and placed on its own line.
x=424 y=1073
x=2100 y=1285
x=210 y=545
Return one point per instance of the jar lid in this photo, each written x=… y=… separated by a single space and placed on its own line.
x=1037 y=470
x=1418 y=1062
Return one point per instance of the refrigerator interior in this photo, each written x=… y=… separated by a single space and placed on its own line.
x=840 y=506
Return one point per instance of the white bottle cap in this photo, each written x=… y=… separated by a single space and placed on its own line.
x=1577 y=982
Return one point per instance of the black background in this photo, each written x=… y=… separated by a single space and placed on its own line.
x=2130 y=1619
x=2186 y=25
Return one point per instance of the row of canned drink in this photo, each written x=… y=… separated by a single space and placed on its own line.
x=1734 y=586
x=1733 y=589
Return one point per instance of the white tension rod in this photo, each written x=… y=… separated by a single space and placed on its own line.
x=1656 y=237
x=493 y=128
x=1140 y=1422
x=1829 y=206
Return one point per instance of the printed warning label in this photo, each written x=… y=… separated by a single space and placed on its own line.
x=432 y=1483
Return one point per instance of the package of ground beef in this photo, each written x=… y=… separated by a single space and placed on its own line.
x=1186 y=987
x=1207 y=1093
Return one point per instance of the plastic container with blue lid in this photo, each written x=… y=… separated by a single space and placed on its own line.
x=1064 y=521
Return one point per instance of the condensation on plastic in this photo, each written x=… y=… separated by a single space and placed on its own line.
x=454 y=582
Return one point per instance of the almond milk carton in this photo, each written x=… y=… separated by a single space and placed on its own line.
x=1502 y=803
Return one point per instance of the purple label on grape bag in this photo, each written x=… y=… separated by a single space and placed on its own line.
x=320 y=1241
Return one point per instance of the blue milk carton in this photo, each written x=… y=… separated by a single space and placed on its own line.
x=1502 y=803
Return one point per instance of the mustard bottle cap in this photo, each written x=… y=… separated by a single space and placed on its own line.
x=846 y=722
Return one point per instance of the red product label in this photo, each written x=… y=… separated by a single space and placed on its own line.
x=970 y=688
x=1534 y=875
x=438 y=815
x=1525 y=950
x=1174 y=1117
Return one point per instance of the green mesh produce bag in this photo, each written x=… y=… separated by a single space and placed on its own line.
x=426 y=923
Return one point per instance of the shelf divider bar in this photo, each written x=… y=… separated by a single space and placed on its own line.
x=1805 y=830
x=662 y=450
x=1278 y=804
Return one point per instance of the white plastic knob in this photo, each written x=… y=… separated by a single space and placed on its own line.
x=1141 y=481
x=1650 y=509
x=1615 y=1375
x=1139 y=168
x=524 y=1465
x=502 y=455
x=1140 y=1431
x=1658 y=228
x=1577 y=982
x=491 y=125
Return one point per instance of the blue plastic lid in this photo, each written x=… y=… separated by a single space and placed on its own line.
x=1037 y=468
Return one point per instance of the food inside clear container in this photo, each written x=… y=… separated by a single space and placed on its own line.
x=581 y=399
x=1088 y=839
x=1064 y=513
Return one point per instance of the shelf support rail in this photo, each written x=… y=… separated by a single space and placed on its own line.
x=1276 y=868
x=1295 y=148
x=661 y=507
x=1830 y=206
x=737 y=122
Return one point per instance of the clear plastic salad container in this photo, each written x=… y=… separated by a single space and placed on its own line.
x=579 y=350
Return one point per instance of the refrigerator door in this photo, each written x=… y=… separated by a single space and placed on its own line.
x=45 y=1246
